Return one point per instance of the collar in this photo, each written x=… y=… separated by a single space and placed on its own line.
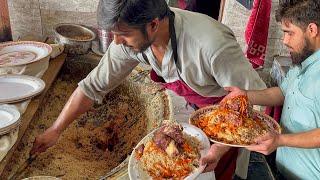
x=177 y=21
x=315 y=57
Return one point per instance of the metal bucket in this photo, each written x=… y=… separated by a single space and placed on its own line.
x=76 y=38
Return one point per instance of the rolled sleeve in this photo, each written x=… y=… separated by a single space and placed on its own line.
x=231 y=68
x=113 y=68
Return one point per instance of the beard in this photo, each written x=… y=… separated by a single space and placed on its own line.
x=144 y=45
x=299 y=57
x=141 y=47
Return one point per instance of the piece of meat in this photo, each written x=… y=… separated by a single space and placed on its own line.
x=239 y=104
x=231 y=104
x=172 y=149
x=161 y=140
x=139 y=151
x=174 y=131
x=234 y=118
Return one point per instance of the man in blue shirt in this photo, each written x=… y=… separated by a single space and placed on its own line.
x=298 y=148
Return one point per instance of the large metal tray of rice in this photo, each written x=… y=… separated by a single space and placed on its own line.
x=98 y=141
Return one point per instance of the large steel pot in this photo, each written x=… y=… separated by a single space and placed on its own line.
x=76 y=38
x=144 y=104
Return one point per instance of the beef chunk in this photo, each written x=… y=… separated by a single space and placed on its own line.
x=161 y=140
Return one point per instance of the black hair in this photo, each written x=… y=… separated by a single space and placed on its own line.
x=135 y=13
x=299 y=12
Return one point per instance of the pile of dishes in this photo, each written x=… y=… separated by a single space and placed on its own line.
x=9 y=118
x=16 y=55
x=14 y=86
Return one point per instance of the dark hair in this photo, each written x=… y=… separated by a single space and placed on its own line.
x=135 y=13
x=299 y=12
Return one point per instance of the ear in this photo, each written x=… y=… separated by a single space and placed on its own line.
x=313 y=30
x=154 y=25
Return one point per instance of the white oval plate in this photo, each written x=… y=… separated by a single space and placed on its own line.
x=9 y=118
x=22 y=52
x=42 y=178
x=136 y=172
x=15 y=88
x=273 y=125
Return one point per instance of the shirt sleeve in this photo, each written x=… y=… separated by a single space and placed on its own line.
x=113 y=68
x=231 y=68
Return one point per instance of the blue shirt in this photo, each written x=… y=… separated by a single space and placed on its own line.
x=301 y=112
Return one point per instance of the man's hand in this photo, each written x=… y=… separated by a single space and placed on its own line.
x=233 y=92
x=266 y=144
x=213 y=156
x=45 y=140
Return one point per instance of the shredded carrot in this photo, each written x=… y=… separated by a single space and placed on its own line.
x=186 y=147
x=217 y=121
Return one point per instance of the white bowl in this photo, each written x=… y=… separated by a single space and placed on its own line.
x=23 y=52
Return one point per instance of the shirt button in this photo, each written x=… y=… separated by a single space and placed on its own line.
x=288 y=107
x=292 y=92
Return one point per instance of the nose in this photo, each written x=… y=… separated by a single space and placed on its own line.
x=118 y=39
x=286 y=39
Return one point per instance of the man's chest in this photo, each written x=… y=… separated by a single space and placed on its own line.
x=300 y=112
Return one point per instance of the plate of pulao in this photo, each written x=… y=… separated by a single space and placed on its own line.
x=234 y=122
x=171 y=151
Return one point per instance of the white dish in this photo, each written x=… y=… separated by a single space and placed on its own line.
x=22 y=52
x=42 y=178
x=9 y=118
x=136 y=172
x=15 y=88
x=272 y=124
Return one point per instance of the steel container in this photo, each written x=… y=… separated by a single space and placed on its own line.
x=76 y=38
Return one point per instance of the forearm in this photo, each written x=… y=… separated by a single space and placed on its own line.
x=220 y=149
x=267 y=97
x=309 y=139
x=77 y=104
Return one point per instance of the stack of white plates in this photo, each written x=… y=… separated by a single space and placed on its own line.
x=16 y=88
x=9 y=118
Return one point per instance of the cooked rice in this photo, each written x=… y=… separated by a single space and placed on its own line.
x=219 y=128
x=160 y=165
